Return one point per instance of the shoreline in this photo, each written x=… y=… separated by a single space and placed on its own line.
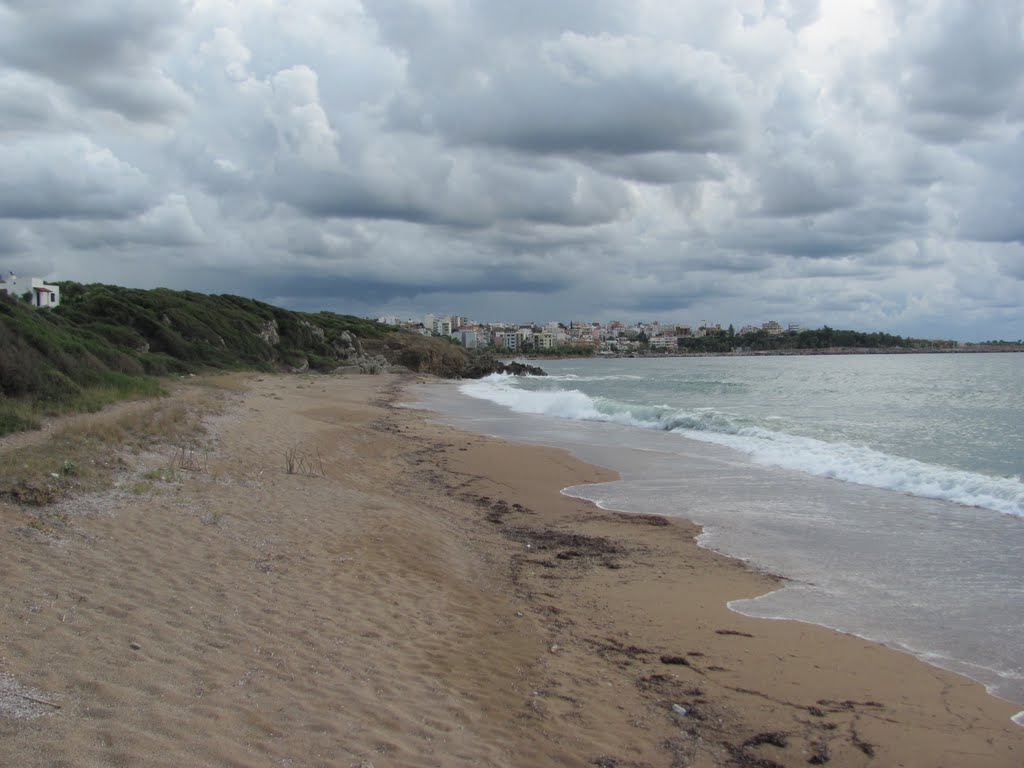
x=431 y=598
x=765 y=582
x=832 y=351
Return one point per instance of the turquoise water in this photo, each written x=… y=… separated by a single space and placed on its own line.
x=887 y=488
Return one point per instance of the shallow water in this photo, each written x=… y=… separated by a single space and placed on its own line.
x=940 y=579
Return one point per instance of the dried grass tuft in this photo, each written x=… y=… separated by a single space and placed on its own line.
x=300 y=462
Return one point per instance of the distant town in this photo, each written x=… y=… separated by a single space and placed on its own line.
x=585 y=338
x=588 y=337
x=580 y=337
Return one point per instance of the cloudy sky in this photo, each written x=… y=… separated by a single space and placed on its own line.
x=857 y=163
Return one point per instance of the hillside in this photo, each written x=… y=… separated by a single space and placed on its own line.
x=105 y=343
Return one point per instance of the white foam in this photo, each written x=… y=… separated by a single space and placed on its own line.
x=842 y=461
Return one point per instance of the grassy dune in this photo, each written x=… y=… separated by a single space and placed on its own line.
x=106 y=343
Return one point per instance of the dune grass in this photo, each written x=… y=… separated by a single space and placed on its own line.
x=85 y=453
x=106 y=343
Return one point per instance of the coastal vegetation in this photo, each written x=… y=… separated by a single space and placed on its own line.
x=818 y=339
x=106 y=343
x=565 y=350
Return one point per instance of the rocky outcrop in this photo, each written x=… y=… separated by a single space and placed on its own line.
x=269 y=333
x=484 y=364
x=315 y=331
x=346 y=346
x=364 y=364
x=521 y=369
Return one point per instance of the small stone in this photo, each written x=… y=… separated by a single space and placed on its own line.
x=134 y=646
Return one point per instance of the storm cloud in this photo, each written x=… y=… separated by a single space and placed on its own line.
x=855 y=164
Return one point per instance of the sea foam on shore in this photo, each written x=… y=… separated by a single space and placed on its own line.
x=936 y=578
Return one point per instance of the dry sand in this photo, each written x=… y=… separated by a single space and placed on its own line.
x=431 y=600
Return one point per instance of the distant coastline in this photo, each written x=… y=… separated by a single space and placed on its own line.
x=973 y=349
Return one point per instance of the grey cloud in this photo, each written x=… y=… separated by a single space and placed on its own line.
x=25 y=105
x=432 y=191
x=589 y=95
x=808 y=176
x=802 y=189
x=156 y=99
x=995 y=220
x=565 y=79
x=168 y=224
x=862 y=229
x=509 y=277
x=658 y=167
x=591 y=159
x=1013 y=265
x=102 y=51
x=993 y=213
x=847 y=268
x=376 y=291
x=52 y=177
x=714 y=259
x=12 y=241
x=965 y=63
x=803 y=239
x=440 y=44
x=673 y=299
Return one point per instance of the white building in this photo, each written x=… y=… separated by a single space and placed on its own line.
x=44 y=294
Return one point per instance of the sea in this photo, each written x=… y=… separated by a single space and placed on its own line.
x=886 y=489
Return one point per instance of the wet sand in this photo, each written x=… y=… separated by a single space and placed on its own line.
x=420 y=596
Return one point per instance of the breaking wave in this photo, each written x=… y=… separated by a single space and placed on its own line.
x=842 y=461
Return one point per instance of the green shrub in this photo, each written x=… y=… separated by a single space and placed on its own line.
x=105 y=343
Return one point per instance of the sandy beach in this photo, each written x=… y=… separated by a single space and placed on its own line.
x=412 y=595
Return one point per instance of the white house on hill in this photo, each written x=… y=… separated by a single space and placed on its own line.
x=44 y=294
x=41 y=293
